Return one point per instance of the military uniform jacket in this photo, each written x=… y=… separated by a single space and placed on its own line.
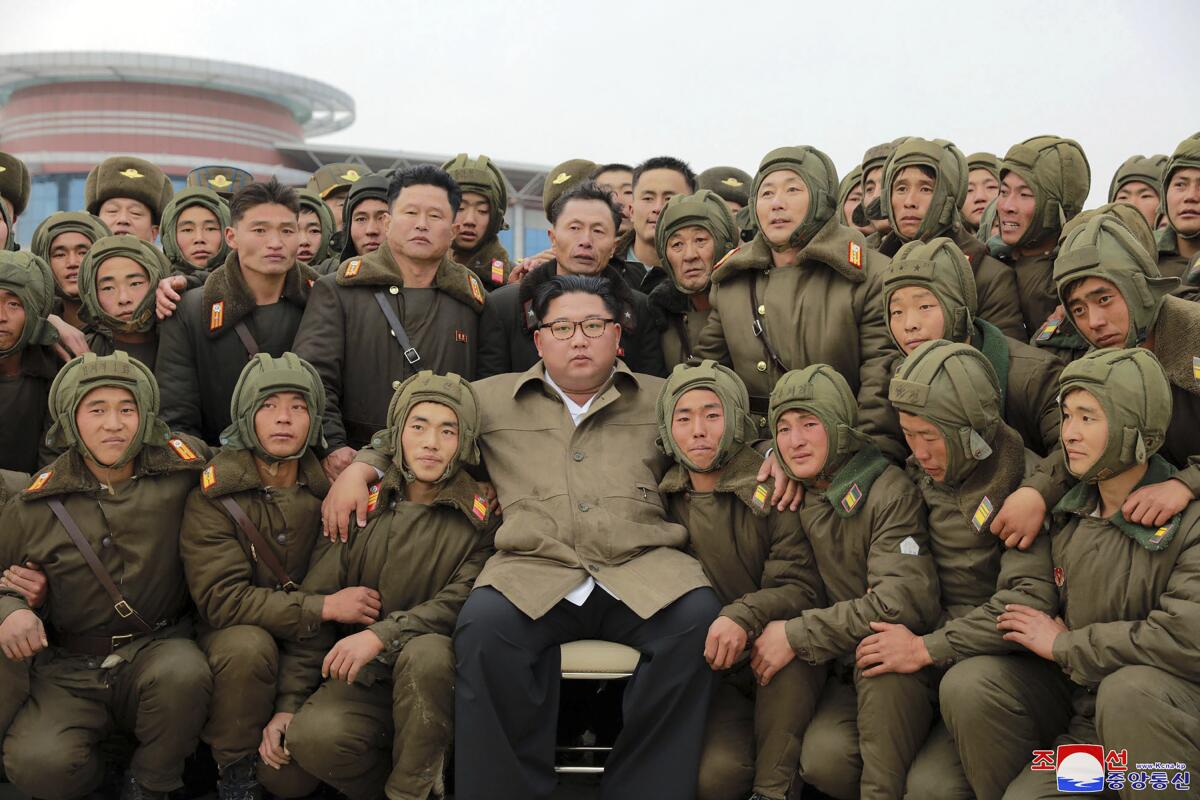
x=757 y=558
x=679 y=321
x=1035 y=287
x=346 y=336
x=200 y=355
x=1028 y=380
x=870 y=537
x=1170 y=263
x=423 y=561
x=134 y=531
x=977 y=574
x=23 y=409
x=490 y=263
x=228 y=580
x=825 y=309
x=1129 y=595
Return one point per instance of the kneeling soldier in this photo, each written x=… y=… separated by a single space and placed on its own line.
x=1129 y=631
x=866 y=524
x=390 y=687
x=103 y=522
x=965 y=462
x=761 y=567
x=247 y=537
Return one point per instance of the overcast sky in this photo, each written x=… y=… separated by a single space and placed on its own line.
x=711 y=82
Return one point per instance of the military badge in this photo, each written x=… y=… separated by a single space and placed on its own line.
x=1059 y=577
x=460 y=336
x=182 y=450
x=851 y=498
x=208 y=477
x=373 y=498
x=854 y=256
x=561 y=178
x=131 y=173
x=1047 y=330
x=760 y=496
x=216 y=317
x=350 y=175
x=40 y=480
x=497 y=271
x=732 y=182
x=479 y=508
x=220 y=182
x=1196 y=367
x=353 y=267
x=982 y=513
x=476 y=289
x=909 y=547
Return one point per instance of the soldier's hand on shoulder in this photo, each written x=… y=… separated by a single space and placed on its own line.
x=350 y=655
x=168 y=294
x=71 y=341
x=354 y=605
x=1154 y=505
x=788 y=493
x=725 y=642
x=1020 y=518
x=336 y=462
x=349 y=495
x=22 y=635
x=29 y=580
x=272 y=750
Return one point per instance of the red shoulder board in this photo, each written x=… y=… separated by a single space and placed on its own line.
x=182 y=450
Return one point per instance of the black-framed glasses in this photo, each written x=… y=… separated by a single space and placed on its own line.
x=564 y=329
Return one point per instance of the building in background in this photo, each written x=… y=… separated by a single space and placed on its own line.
x=63 y=113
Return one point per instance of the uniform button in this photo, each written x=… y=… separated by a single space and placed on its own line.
x=281 y=538
x=762 y=422
x=106 y=541
x=584 y=506
x=578 y=455
x=593 y=568
x=395 y=385
x=761 y=366
x=762 y=310
x=394 y=289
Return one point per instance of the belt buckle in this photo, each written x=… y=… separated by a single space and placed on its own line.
x=123 y=609
x=122 y=639
x=411 y=355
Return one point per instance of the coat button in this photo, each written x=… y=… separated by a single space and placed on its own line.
x=281 y=538
x=578 y=455
x=394 y=289
x=584 y=506
x=762 y=310
x=395 y=385
x=761 y=366
x=106 y=541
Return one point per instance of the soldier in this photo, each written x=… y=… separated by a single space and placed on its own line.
x=1044 y=182
x=480 y=218
x=27 y=365
x=114 y=652
x=1179 y=242
x=252 y=303
x=866 y=524
x=694 y=232
x=655 y=181
x=870 y=210
x=965 y=461
x=849 y=198
x=923 y=182
x=365 y=218
x=332 y=183
x=382 y=317
x=193 y=236
x=983 y=186
x=316 y=230
x=617 y=180
x=116 y=285
x=62 y=240
x=806 y=290
x=223 y=180
x=559 y=180
x=583 y=222
x=1139 y=182
x=128 y=194
x=385 y=713
x=929 y=292
x=760 y=564
x=15 y=187
x=247 y=537
x=729 y=183
x=1128 y=634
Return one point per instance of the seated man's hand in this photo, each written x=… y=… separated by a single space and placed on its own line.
x=350 y=655
x=29 y=580
x=788 y=493
x=272 y=751
x=892 y=648
x=772 y=652
x=1154 y=505
x=354 y=605
x=22 y=635
x=1032 y=629
x=337 y=461
x=1020 y=518
x=726 y=641
x=71 y=341
x=348 y=496
x=168 y=294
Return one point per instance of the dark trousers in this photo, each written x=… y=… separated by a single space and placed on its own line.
x=507 y=685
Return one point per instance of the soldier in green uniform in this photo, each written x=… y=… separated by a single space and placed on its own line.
x=15 y=187
x=694 y=232
x=1044 y=182
x=923 y=183
x=870 y=210
x=983 y=186
x=116 y=286
x=1179 y=242
x=965 y=461
x=262 y=492
x=114 y=652
x=1139 y=182
x=866 y=523
x=849 y=198
x=761 y=566
x=128 y=194
x=1128 y=632
x=365 y=219
x=383 y=719
x=62 y=240
x=317 y=230
x=480 y=218
x=332 y=183
x=729 y=183
x=193 y=235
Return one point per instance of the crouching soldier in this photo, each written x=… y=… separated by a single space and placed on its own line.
x=247 y=537
x=965 y=462
x=761 y=566
x=1129 y=632
x=866 y=524
x=385 y=713
x=115 y=653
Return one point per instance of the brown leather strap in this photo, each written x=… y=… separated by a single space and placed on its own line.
x=248 y=342
x=679 y=322
x=95 y=645
x=406 y=346
x=120 y=604
x=759 y=329
x=258 y=544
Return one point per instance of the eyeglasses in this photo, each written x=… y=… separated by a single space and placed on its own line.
x=564 y=329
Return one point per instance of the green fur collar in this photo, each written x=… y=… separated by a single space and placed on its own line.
x=229 y=300
x=1083 y=498
x=460 y=492
x=987 y=339
x=232 y=470
x=379 y=269
x=842 y=249
x=68 y=474
x=1177 y=342
x=851 y=484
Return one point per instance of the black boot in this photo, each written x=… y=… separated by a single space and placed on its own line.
x=239 y=781
x=132 y=790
